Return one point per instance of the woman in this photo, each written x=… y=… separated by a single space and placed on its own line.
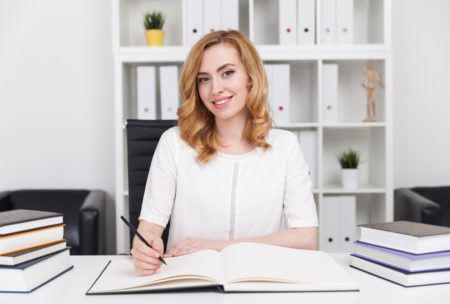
x=223 y=175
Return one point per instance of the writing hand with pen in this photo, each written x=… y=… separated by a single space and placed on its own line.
x=147 y=251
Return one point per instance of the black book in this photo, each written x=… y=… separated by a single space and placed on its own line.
x=20 y=220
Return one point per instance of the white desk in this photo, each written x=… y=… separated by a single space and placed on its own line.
x=71 y=288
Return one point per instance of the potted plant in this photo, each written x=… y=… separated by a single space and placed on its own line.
x=349 y=161
x=153 y=23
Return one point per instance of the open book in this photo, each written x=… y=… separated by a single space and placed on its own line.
x=238 y=267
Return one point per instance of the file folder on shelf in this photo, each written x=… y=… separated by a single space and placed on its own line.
x=146 y=92
x=169 y=91
x=306 y=20
x=288 y=21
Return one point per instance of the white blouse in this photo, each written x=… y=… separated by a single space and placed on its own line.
x=232 y=196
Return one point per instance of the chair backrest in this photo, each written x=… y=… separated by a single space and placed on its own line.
x=142 y=139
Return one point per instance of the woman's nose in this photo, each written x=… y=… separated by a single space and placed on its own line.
x=217 y=86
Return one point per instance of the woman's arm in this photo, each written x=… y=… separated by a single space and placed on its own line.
x=300 y=238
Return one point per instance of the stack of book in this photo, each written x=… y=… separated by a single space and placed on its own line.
x=406 y=253
x=32 y=249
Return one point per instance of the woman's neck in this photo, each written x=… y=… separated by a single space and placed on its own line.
x=230 y=135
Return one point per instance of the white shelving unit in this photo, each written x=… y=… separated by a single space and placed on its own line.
x=259 y=20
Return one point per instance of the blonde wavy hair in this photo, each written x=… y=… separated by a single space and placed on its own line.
x=196 y=122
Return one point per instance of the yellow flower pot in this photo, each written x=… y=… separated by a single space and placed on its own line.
x=154 y=37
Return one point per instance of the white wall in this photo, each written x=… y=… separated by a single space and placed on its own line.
x=421 y=43
x=56 y=97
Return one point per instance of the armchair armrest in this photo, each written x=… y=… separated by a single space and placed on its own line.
x=90 y=222
x=411 y=206
x=4 y=200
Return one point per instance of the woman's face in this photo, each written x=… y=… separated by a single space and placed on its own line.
x=223 y=82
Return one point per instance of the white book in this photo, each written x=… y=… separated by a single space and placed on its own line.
x=308 y=143
x=238 y=267
x=146 y=92
x=280 y=95
x=330 y=223
x=306 y=20
x=404 y=278
x=28 y=276
x=19 y=257
x=330 y=93
x=193 y=21
x=30 y=239
x=212 y=15
x=230 y=14
x=344 y=21
x=169 y=91
x=328 y=21
x=287 y=21
x=347 y=223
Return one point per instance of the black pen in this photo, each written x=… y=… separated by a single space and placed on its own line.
x=134 y=230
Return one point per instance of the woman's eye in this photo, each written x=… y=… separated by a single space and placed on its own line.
x=227 y=74
x=202 y=79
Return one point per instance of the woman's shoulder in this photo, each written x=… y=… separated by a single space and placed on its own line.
x=172 y=138
x=281 y=137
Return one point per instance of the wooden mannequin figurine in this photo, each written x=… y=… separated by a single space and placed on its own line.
x=369 y=81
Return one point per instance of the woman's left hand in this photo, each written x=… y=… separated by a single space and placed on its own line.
x=191 y=245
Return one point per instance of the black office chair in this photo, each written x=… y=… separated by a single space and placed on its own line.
x=429 y=205
x=83 y=213
x=142 y=139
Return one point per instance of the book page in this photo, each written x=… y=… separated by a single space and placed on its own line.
x=253 y=262
x=200 y=266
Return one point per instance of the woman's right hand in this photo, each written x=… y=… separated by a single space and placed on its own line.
x=145 y=259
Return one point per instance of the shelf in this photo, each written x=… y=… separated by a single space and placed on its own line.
x=355 y=125
x=267 y=53
x=299 y=125
x=336 y=189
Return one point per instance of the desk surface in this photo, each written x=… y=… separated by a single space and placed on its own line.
x=72 y=286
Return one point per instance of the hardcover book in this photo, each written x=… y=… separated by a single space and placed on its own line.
x=19 y=257
x=19 y=220
x=28 y=276
x=407 y=236
x=401 y=277
x=241 y=267
x=30 y=239
x=403 y=260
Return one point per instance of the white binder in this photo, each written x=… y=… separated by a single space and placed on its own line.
x=347 y=223
x=328 y=21
x=212 y=15
x=146 y=92
x=330 y=223
x=193 y=21
x=330 y=93
x=306 y=20
x=344 y=17
x=308 y=143
x=287 y=10
x=169 y=91
x=280 y=95
x=230 y=14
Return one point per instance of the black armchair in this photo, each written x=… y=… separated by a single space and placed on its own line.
x=142 y=139
x=429 y=205
x=83 y=213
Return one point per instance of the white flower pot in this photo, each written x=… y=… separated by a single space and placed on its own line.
x=350 y=178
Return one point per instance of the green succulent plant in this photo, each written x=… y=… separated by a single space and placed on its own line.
x=349 y=159
x=154 y=20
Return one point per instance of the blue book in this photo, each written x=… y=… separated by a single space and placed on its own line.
x=401 y=260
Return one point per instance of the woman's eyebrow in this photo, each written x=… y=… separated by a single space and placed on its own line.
x=218 y=69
